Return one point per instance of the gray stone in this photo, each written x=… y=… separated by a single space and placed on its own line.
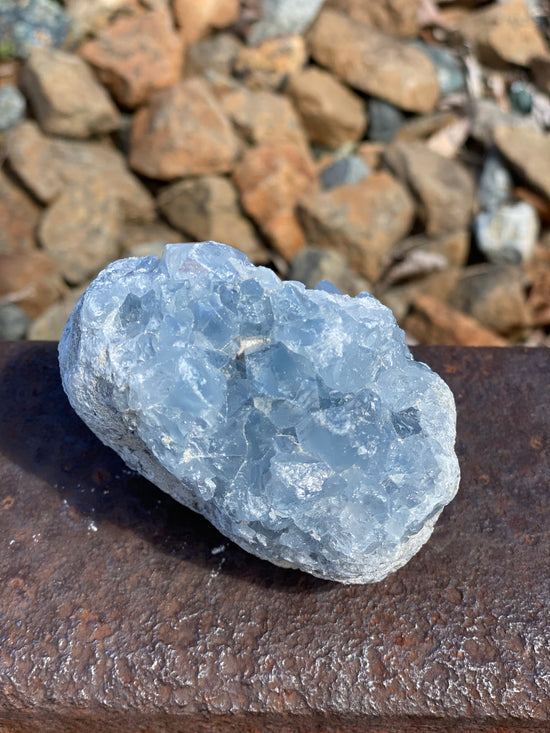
x=449 y=70
x=280 y=17
x=385 y=120
x=14 y=322
x=495 y=295
x=25 y=25
x=295 y=420
x=487 y=116
x=495 y=183
x=521 y=97
x=312 y=265
x=347 y=170
x=12 y=107
x=509 y=233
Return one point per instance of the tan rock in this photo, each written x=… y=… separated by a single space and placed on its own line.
x=486 y=116
x=197 y=19
x=394 y=17
x=183 y=131
x=29 y=154
x=207 y=208
x=454 y=246
x=151 y=236
x=19 y=217
x=373 y=62
x=332 y=114
x=137 y=55
x=449 y=140
x=212 y=56
x=362 y=221
x=31 y=280
x=47 y=166
x=538 y=272
x=540 y=67
x=418 y=257
x=270 y=64
x=80 y=230
x=50 y=324
x=444 y=188
x=313 y=264
x=433 y=322
x=90 y=17
x=504 y=33
x=529 y=152
x=419 y=265
x=270 y=179
x=400 y=297
x=263 y=118
x=66 y=97
x=371 y=153
x=496 y=296
x=422 y=127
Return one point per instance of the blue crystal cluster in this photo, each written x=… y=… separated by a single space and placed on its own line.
x=295 y=420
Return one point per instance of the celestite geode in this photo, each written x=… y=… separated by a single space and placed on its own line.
x=295 y=420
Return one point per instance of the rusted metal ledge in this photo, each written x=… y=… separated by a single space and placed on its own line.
x=122 y=611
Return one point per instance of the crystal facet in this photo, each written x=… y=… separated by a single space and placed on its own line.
x=295 y=420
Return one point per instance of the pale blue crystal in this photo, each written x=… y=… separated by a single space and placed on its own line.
x=295 y=420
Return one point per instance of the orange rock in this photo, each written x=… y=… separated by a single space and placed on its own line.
x=19 y=217
x=137 y=55
x=504 y=33
x=362 y=221
x=373 y=62
x=197 y=19
x=270 y=64
x=332 y=114
x=271 y=178
x=31 y=280
x=285 y=233
x=433 y=322
x=183 y=131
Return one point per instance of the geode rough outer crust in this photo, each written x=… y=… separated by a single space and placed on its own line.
x=295 y=420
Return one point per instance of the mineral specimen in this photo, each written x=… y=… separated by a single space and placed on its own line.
x=295 y=420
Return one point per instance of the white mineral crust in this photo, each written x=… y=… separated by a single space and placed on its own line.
x=295 y=420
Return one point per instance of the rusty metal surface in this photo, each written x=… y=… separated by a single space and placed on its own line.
x=122 y=611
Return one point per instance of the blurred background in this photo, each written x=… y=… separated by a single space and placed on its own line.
x=395 y=146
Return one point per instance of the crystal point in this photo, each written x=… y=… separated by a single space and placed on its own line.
x=295 y=420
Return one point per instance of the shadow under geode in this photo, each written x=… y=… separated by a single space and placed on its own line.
x=41 y=433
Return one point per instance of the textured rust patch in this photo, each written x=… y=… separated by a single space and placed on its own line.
x=120 y=610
